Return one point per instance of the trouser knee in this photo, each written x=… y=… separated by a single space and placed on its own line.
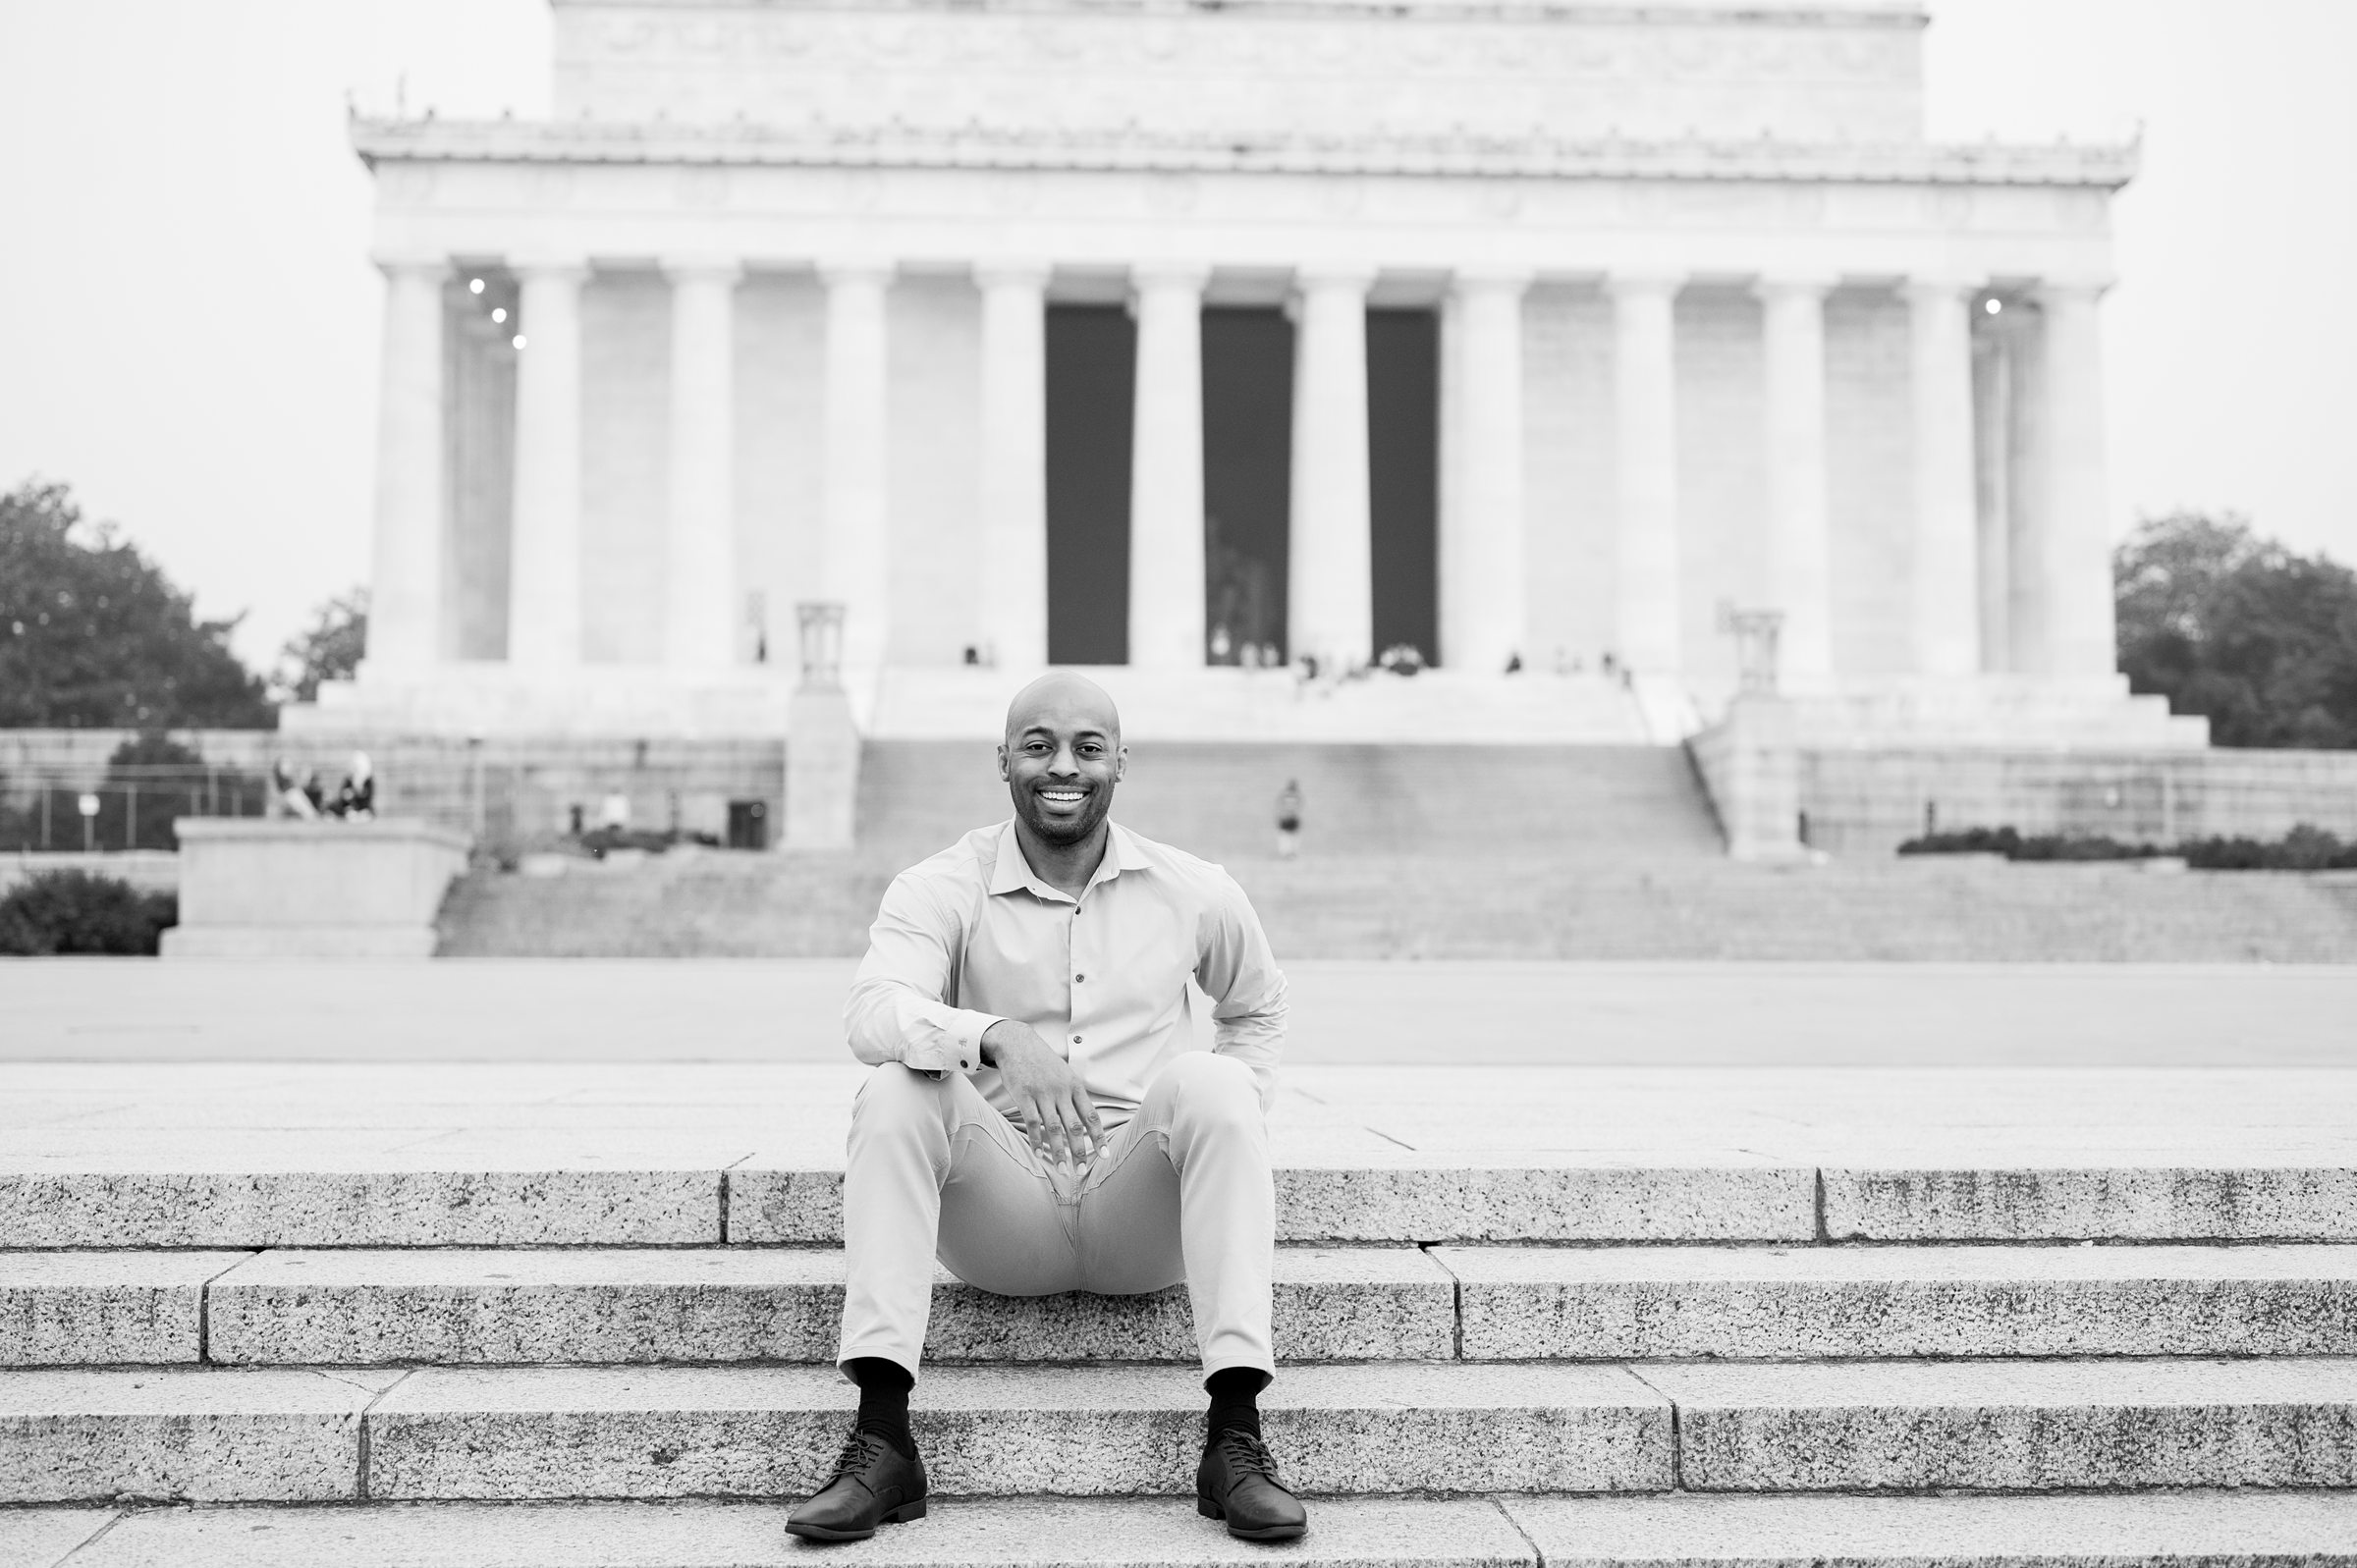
x=1214 y=1090
x=896 y=1098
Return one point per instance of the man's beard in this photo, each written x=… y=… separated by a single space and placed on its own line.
x=1067 y=830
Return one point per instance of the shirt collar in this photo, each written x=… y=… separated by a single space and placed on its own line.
x=1124 y=852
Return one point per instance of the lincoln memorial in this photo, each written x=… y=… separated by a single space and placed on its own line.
x=1188 y=336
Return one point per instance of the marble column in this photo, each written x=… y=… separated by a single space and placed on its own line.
x=1482 y=588
x=1166 y=472
x=544 y=593
x=701 y=614
x=1329 y=586
x=1645 y=599
x=1799 y=532
x=404 y=597
x=2075 y=558
x=1946 y=567
x=853 y=489
x=1014 y=485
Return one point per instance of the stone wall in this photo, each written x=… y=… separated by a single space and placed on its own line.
x=1865 y=802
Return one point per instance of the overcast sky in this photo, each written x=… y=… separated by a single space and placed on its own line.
x=189 y=322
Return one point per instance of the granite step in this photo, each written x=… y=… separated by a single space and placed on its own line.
x=295 y=1436
x=2018 y=1426
x=770 y=1304
x=1399 y=1197
x=365 y=1307
x=205 y=1199
x=1801 y=1303
x=555 y=1433
x=2205 y=1528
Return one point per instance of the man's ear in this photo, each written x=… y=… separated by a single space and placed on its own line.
x=1121 y=764
x=1002 y=778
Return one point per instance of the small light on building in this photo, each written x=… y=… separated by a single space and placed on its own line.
x=1992 y=307
x=501 y=314
x=474 y=285
x=518 y=339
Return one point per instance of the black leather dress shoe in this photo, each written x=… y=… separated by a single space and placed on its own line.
x=1238 y=1482
x=873 y=1483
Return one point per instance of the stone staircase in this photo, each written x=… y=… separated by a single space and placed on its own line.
x=560 y=1351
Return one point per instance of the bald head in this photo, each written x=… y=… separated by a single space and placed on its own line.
x=1062 y=759
x=1063 y=702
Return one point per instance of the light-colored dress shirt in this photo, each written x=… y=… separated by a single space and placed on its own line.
x=972 y=935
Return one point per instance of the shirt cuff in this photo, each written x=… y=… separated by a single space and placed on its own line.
x=954 y=1044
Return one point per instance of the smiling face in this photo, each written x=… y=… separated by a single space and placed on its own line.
x=1062 y=757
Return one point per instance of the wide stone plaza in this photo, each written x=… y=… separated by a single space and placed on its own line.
x=538 y=1263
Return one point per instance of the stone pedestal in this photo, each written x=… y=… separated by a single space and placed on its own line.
x=822 y=771
x=311 y=890
x=1751 y=765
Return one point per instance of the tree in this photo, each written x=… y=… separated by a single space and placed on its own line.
x=93 y=634
x=2238 y=629
x=329 y=649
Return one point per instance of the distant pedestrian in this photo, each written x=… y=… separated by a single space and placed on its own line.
x=1288 y=820
x=355 y=800
x=288 y=797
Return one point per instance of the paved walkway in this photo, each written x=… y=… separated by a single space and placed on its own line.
x=1693 y=1014
x=278 y=1117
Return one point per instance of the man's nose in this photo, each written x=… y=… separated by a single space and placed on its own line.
x=1066 y=760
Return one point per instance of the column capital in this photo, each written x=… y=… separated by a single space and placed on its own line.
x=549 y=264
x=1932 y=287
x=1803 y=285
x=1023 y=272
x=391 y=259
x=2071 y=286
x=1484 y=275
x=1644 y=283
x=1191 y=275
x=844 y=269
x=1356 y=277
x=704 y=266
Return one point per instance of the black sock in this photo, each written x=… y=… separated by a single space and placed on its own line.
x=884 y=1399
x=1235 y=1400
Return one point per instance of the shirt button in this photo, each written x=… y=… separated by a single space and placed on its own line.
x=1075 y=1040
x=1077 y=979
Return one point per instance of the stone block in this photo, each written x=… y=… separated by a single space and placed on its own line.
x=1688 y=1530
x=197 y=1433
x=1772 y=1304
x=1082 y=1532
x=90 y=1309
x=282 y=888
x=363 y=1208
x=769 y=1432
x=747 y=1304
x=2148 y=1202
x=2013 y=1425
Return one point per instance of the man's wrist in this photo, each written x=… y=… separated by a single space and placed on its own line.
x=987 y=1048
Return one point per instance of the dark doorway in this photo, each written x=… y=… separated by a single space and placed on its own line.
x=1247 y=476
x=1404 y=475
x=1092 y=357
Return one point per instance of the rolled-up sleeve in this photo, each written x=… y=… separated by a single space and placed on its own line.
x=899 y=1009
x=1239 y=972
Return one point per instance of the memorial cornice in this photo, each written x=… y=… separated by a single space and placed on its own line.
x=2106 y=166
x=1908 y=14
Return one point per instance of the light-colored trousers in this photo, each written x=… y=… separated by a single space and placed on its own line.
x=1182 y=1190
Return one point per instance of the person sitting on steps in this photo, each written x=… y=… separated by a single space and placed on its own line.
x=1036 y=1120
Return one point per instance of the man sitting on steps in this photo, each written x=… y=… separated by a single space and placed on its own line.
x=1033 y=977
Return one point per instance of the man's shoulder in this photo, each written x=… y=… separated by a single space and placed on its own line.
x=1192 y=871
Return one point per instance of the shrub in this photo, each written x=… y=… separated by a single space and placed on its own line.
x=80 y=912
x=2307 y=848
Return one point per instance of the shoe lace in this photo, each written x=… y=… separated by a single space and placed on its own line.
x=860 y=1449
x=1246 y=1453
